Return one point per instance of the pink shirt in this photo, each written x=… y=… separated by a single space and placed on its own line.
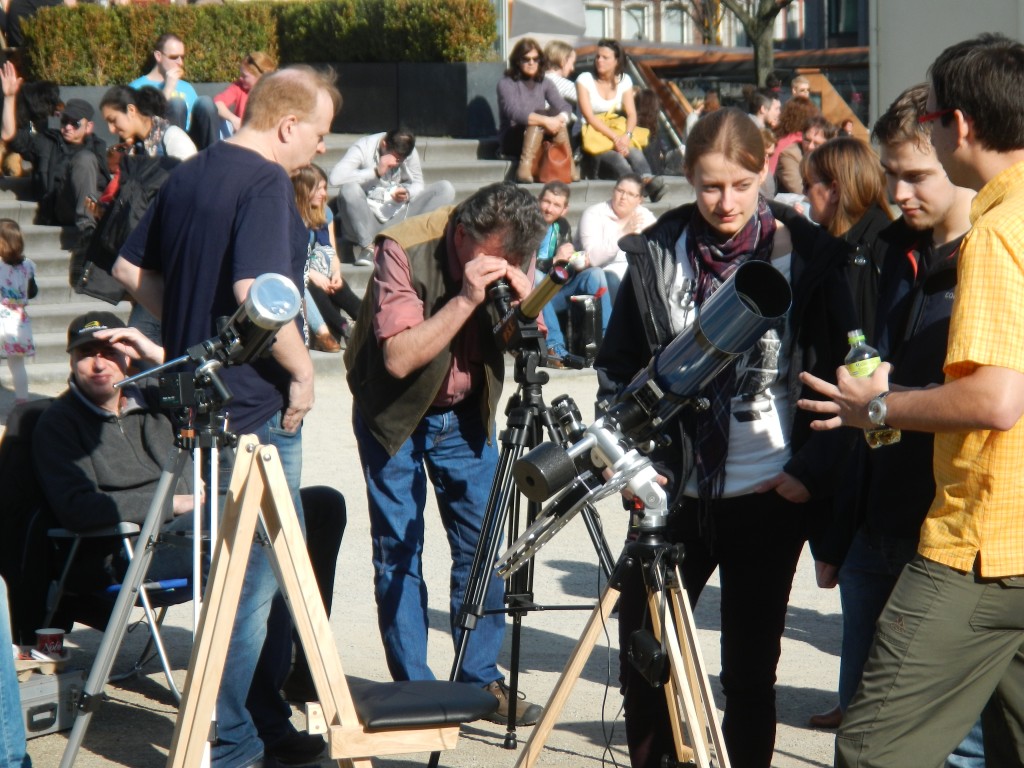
x=234 y=98
x=398 y=307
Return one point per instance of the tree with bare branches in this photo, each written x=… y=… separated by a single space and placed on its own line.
x=707 y=15
x=758 y=20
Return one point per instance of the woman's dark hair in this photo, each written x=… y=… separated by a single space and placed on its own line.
x=647 y=104
x=614 y=47
x=147 y=100
x=523 y=47
x=729 y=132
x=37 y=103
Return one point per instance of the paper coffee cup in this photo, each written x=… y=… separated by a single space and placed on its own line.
x=50 y=641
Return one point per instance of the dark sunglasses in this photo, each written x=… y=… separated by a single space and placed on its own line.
x=70 y=121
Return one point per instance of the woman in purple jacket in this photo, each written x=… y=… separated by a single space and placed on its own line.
x=530 y=107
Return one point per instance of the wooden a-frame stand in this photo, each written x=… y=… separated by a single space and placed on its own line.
x=259 y=491
x=688 y=691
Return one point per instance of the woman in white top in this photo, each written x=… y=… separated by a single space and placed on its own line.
x=747 y=475
x=136 y=117
x=608 y=89
x=602 y=225
x=561 y=62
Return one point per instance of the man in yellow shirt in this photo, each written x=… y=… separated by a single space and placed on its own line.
x=950 y=643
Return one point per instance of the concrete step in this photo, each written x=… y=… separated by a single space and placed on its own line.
x=51 y=363
x=468 y=164
x=480 y=172
x=54 y=318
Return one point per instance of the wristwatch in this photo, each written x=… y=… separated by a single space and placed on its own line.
x=877 y=410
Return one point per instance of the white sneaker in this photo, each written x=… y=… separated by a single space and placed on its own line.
x=365 y=257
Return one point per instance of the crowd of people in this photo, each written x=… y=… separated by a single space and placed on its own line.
x=920 y=536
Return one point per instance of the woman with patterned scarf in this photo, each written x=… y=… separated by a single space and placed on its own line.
x=746 y=475
x=136 y=117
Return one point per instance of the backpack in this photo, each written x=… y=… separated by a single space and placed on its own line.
x=140 y=179
x=28 y=556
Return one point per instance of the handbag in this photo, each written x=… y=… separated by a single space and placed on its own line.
x=89 y=278
x=596 y=143
x=554 y=163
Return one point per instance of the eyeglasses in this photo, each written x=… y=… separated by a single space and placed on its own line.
x=936 y=115
x=70 y=121
x=530 y=59
x=626 y=193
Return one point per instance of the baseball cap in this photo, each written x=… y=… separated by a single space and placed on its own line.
x=84 y=326
x=76 y=109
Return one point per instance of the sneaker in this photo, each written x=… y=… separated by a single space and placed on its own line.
x=365 y=257
x=298 y=748
x=526 y=713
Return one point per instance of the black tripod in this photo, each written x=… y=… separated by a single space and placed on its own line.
x=527 y=415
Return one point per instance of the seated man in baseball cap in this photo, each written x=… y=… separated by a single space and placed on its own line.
x=99 y=450
x=69 y=165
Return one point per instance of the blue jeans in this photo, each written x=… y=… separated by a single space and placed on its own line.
x=872 y=566
x=867 y=577
x=314 y=318
x=612 y=165
x=587 y=282
x=12 y=727
x=450 y=448
x=250 y=710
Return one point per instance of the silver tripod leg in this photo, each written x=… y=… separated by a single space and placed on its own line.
x=113 y=636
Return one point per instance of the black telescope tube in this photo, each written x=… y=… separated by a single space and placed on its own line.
x=742 y=310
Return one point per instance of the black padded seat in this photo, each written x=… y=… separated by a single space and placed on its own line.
x=417 y=703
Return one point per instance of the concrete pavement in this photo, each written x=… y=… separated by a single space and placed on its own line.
x=134 y=728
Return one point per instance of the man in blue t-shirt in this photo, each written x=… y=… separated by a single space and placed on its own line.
x=222 y=219
x=168 y=67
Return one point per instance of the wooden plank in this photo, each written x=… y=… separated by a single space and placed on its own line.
x=223 y=590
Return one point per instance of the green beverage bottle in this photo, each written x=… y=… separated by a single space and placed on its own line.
x=862 y=360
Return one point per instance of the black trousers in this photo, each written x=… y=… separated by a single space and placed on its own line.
x=755 y=544
x=332 y=304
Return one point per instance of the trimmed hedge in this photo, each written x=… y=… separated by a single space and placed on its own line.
x=91 y=45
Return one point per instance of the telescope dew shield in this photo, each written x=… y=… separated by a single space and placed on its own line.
x=273 y=301
x=742 y=310
x=544 y=292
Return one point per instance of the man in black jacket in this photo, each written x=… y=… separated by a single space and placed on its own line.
x=99 y=451
x=68 y=165
x=891 y=489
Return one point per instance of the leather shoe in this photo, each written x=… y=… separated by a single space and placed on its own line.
x=831 y=719
x=525 y=712
x=324 y=342
x=296 y=749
